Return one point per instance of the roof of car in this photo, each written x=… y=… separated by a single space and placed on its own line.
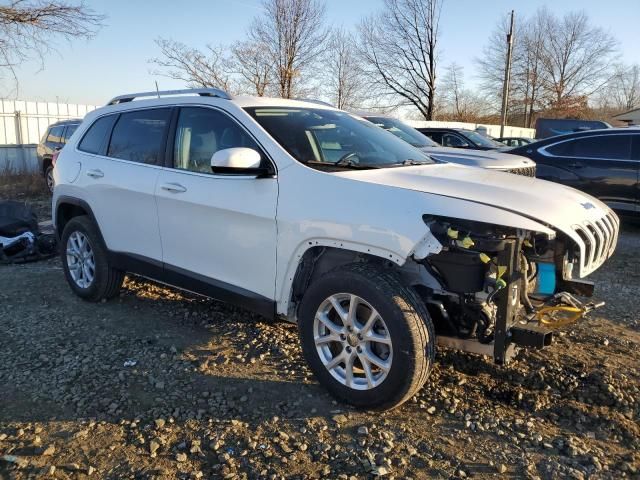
x=455 y=129
x=251 y=101
x=66 y=122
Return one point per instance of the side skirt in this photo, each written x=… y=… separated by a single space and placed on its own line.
x=193 y=282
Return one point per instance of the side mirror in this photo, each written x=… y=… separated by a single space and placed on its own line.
x=238 y=161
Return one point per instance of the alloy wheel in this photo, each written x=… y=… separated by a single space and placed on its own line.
x=352 y=341
x=80 y=260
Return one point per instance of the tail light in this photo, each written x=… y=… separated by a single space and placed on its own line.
x=54 y=157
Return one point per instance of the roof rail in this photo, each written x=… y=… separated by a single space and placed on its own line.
x=203 y=92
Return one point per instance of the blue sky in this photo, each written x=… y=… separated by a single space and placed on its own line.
x=116 y=60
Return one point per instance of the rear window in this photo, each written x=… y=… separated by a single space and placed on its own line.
x=139 y=136
x=94 y=140
x=55 y=134
x=69 y=131
x=614 y=147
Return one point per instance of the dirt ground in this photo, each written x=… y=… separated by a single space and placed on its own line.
x=159 y=384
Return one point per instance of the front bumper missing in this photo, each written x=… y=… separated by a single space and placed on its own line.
x=535 y=330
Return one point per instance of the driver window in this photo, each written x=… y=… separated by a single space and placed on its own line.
x=200 y=133
x=449 y=140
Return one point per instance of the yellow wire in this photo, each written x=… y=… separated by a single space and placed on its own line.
x=544 y=315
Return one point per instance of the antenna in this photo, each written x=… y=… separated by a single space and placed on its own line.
x=157 y=89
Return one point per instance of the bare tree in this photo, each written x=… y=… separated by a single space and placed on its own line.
x=623 y=91
x=28 y=28
x=525 y=82
x=577 y=58
x=342 y=72
x=294 y=36
x=252 y=63
x=557 y=64
x=458 y=103
x=196 y=68
x=399 y=50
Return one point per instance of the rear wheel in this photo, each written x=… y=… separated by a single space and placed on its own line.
x=86 y=263
x=368 y=339
x=48 y=178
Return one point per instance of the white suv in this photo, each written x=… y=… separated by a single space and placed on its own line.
x=297 y=210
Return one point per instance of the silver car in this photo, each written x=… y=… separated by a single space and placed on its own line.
x=474 y=158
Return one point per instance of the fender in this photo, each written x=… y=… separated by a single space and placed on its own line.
x=426 y=245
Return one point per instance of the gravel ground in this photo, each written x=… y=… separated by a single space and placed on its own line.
x=160 y=384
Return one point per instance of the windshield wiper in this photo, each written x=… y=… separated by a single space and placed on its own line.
x=410 y=162
x=347 y=164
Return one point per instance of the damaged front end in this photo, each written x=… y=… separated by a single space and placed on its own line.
x=497 y=288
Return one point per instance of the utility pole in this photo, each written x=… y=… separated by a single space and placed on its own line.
x=507 y=77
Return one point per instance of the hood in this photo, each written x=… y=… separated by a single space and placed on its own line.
x=478 y=158
x=546 y=202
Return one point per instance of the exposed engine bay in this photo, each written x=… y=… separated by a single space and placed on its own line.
x=496 y=288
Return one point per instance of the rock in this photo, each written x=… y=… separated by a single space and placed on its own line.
x=502 y=468
x=160 y=422
x=362 y=430
x=339 y=419
x=50 y=450
x=431 y=410
x=90 y=470
x=154 y=445
x=181 y=457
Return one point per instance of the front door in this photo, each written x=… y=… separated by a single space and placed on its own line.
x=216 y=230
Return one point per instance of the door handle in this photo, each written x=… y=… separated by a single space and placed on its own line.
x=173 y=187
x=95 y=173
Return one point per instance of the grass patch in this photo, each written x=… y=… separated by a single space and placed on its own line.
x=22 y=186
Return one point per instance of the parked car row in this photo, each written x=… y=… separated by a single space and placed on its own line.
x=304 y=212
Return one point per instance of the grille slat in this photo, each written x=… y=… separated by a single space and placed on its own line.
x=598 y=240
x=525 y=171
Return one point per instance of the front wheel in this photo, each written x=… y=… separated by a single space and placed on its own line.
x=367 y=338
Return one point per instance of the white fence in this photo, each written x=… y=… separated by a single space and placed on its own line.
x=23 y=123
x=493 y=130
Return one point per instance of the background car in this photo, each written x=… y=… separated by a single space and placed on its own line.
x=460 y=138
x=514 y=141
x=552 y=127
x=473 y=158
x=54 y=139
x=603 y=163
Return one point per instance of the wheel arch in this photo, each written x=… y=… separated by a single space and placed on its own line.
x=318 y=256
x=70 y=207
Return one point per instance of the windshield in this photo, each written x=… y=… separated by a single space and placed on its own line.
x=480 y=139
x=319 y=137
x=403 y=131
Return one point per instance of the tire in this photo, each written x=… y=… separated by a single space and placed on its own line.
x=106 y=281
x=48 y=178
x=405 y=322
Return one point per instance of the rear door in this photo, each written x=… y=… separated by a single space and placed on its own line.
x=600 y=165
x=218 y=231
x=121 y=162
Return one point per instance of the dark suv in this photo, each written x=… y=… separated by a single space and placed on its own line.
x=54 y=139
x=460 y=138
x=604 y=163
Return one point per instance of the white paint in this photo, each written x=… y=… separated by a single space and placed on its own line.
x=252 y=232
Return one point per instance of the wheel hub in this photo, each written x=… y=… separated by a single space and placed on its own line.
x=353 y=340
